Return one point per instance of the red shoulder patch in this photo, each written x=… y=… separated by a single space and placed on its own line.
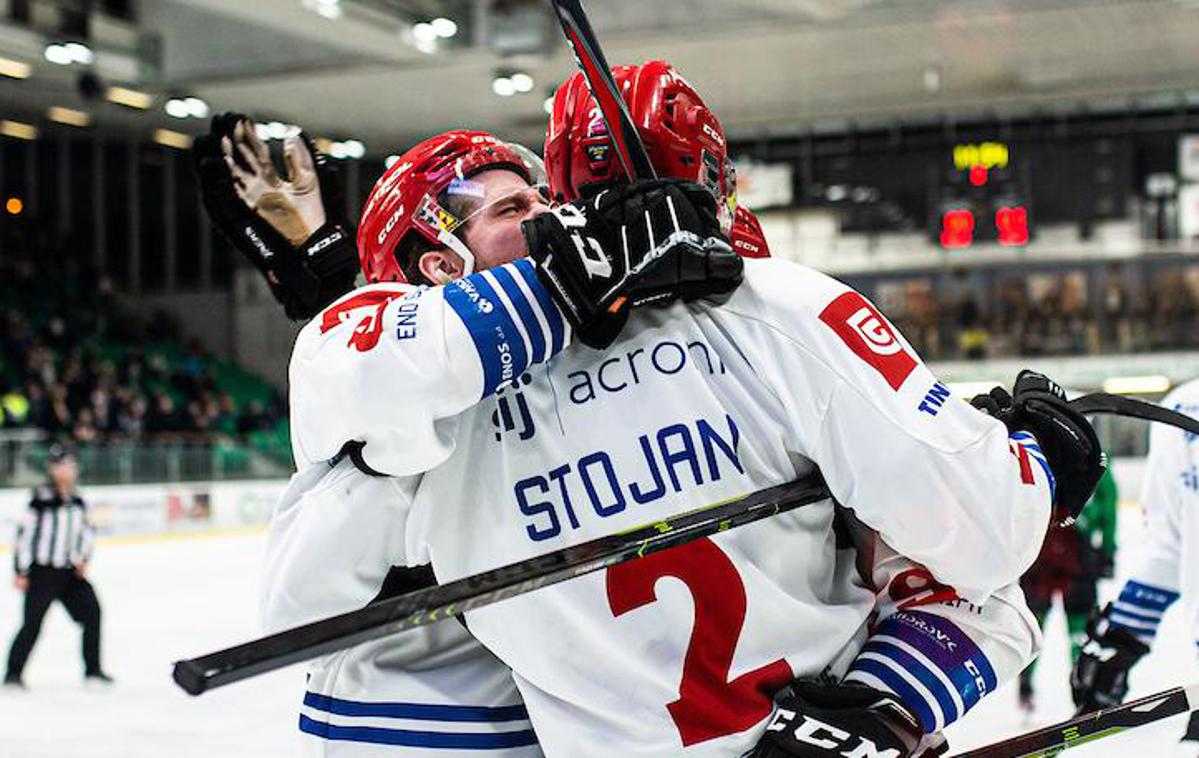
x=370 y=328
x=869 y=336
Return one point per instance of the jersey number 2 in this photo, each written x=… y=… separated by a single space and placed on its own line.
x=710 y=705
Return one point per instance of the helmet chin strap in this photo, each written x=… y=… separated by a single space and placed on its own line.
x=458 y=246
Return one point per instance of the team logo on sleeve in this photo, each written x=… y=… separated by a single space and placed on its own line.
x=869 y=336
x=368 y=308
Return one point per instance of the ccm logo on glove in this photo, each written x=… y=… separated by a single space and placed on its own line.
x=869 y=336
x=595 y=263
x=816 y=733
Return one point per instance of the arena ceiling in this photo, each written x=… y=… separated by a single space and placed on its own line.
x=767 y=66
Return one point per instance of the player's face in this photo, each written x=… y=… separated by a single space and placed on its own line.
x=493 y=233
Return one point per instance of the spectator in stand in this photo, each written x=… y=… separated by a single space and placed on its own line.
x=101 y=407
x=84 y=430
x=131 y=420
x=58 y=418
x=161 y=418
x=1115 y=326
x=14 y=408
x=226 y=415
x=973 y=337
x=254 y=419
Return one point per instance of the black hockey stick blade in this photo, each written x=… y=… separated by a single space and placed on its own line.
x=1119 y=405
x=1051 y=740
x=434 y=604
x=626 y=140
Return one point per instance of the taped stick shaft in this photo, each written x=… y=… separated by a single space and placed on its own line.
x=626 y=140
x=427 y=606
x=1051 y=740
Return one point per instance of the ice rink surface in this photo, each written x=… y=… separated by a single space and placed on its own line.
x=176 y=598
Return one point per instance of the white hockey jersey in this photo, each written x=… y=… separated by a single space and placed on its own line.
x=498 y=447
x=1170 y=495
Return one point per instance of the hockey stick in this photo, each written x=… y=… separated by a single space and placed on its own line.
x=1118 y=405
x=1051 y=740
x=434 y=604
x=626 y=140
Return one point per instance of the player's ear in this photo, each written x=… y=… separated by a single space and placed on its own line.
x=440 y=266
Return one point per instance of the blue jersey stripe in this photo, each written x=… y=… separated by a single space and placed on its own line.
x=1029 y=443
x=909 y=663
x=427 y=711
x=553 y=331
x=1139 y=628
x=525 y=309
x=1048 y=474
x=904 y=691
x=1147 y=596
x=948 y=648
x=411 y=738
x=510 y=331
x=1137 y=613
x=499 y=344
x=557 y=327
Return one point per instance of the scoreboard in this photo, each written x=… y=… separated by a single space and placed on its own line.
x=981 y=197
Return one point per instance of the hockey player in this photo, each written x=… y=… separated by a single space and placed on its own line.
x=1071 y=563
x=458 y=695
x=1123 y=632
x=493 y=446
x=687 y=140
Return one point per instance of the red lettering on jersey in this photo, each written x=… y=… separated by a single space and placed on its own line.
x=368 y=331
x=710 y=705
x=869 y=336
x=916 y=587
x=1021 y=455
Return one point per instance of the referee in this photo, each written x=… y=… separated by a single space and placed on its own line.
x=54 y=543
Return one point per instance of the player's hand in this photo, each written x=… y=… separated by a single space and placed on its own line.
x=1039 y=406
x=81 y=569
x=646 y=242
x=20 y=582
x=1099 y=678
x=293 y=229
x=819 y=719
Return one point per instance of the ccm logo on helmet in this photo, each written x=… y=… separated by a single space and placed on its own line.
x=708 y=130
x=869 y=336
x=391 y=222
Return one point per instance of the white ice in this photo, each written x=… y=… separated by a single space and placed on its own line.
x=165 y=600
x=162 y=601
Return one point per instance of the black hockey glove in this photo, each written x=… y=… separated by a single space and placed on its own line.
x=636 y=244
x=1038 y=405
x=819 y=719
x=1099 y=678
x=293 y=228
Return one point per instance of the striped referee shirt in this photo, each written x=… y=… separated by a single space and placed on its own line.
x=54 y=532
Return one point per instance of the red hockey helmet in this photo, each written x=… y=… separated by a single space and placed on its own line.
x=683 y=137
x=414 y=197
x=747 y=238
